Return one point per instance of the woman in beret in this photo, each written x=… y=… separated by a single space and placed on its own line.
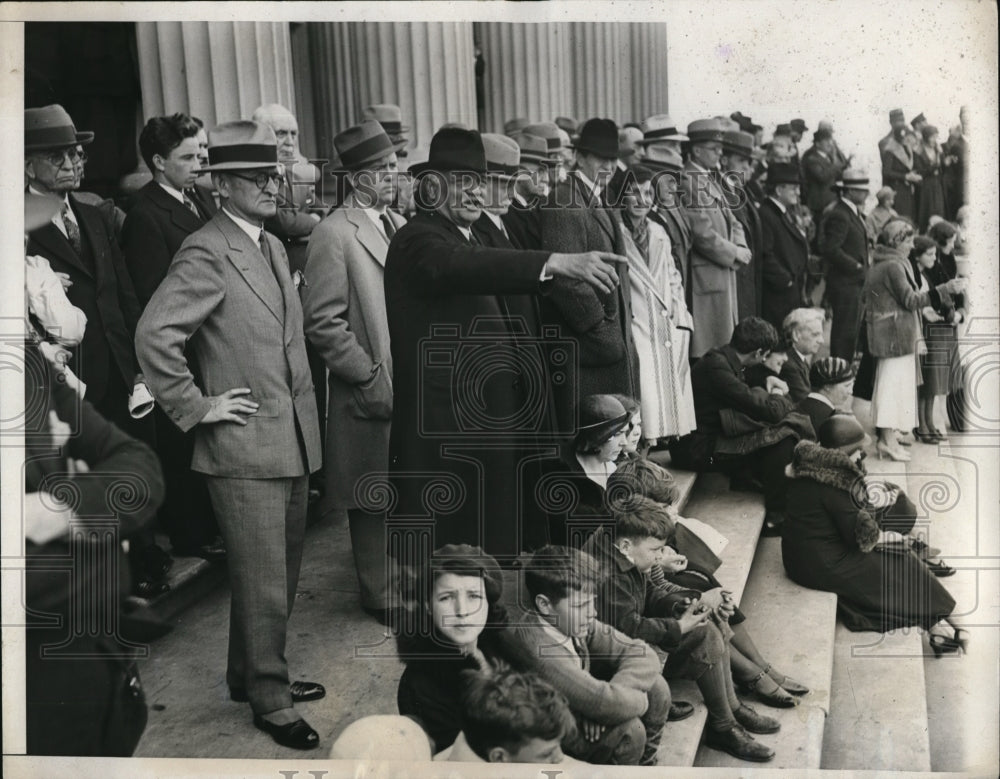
x=850 y=537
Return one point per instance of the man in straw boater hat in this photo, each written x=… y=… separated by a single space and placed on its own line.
x=843 y=244
x=785 y=253
x=228 y=304
x=466 y=390
x=343 y=302
x=575 y=218
x=718 y=245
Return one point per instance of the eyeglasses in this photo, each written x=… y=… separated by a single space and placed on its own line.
x=55 y=158
x=263 y=179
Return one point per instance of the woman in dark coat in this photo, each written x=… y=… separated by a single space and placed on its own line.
x=898 y=173
x=446 y=631
x=930 y=191
x=844 y=536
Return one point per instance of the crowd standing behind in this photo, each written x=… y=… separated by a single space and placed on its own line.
x=519 y=315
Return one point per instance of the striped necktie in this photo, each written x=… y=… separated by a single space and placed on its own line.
x=72 y=230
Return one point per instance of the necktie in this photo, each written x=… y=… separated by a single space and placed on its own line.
x=387 y=225
x=473 y=239
x=191 y=205
x=578 y=646
x=266 y=251
x=72 y=231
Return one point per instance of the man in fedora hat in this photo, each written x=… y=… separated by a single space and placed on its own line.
x=784 y=248
x=227 y=311
x=454 y=417
x=736 y=165
x=343 y=302
x=576 y=219
x=719 y=244
x=557 y=148
x=820 y=172
x=79 y=242
x=897 y=123
x=165 y=212
x=660 y=130
x=531 y=189
x=391 y=118
x=666 y=211
x=844 y=244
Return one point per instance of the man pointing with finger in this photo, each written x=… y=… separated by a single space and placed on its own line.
x=229 y=305
x=469 y=381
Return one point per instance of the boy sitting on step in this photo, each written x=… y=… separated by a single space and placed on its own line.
x=511 y=717
x=612 y=682
x=691 y=627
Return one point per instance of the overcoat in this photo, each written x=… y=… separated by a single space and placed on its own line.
x=785 y=258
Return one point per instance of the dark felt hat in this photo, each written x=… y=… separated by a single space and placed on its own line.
x=600 y=137
x=822 y=135
x=830 y=370
x=362 y=144
x=783 y=173
x=798 y=125
x=842 y=430
x=738 y=142
x=601 y=416
x=454 y=149
x=783 y=129
x=51 y=127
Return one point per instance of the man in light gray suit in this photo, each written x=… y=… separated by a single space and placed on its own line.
x=228 y=301
x=343 y=301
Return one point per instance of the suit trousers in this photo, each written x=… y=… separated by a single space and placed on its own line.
x=263 y=522
x=845 y=300
x=368 y=543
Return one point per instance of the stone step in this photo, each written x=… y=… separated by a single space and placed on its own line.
x=878 y=706
x=739 y=516
x=794 y=629
x=190 y=580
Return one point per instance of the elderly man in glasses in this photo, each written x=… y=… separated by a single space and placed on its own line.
x=79 y=243
x=228 y=312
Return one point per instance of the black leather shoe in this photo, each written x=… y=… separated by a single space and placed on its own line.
x=294 y=735
x=940 y=568
x=740 y=744
x=213 y=550
x=301 y=692
x=680 y=710
x=755 y=722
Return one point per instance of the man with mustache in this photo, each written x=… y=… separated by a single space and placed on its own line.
x=465 y=389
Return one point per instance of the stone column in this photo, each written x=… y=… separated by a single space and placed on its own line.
x=217 y=71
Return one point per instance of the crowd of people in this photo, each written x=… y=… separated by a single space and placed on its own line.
x=445 y=351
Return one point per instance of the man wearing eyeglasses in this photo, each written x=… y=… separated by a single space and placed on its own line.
x=228 y=304
x=79 y=242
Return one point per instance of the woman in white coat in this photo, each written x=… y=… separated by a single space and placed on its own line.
x=661 y=323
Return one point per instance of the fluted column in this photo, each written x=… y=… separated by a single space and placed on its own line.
x=218 y=71
x=648 y=71
x=528 y=71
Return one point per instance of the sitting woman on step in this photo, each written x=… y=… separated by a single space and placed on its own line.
x=846 y=536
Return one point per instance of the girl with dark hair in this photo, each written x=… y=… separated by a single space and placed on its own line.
x=448 y=625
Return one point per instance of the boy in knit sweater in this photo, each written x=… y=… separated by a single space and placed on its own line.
x=691 y=627
x=612 y=682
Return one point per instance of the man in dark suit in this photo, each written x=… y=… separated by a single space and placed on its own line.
x=575 y=219
x=803 y=333
x=164 y=214
x=464 y=393
x=227 y=311
x=736 y=165
x=531 y=188
x=820 y=171
x=785 y=249
x=844 y=245
x=78 y=242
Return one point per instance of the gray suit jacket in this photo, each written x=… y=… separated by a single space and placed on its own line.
x=343 y=302
x=242 y=324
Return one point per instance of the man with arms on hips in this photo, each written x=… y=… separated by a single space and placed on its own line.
x=229 y=305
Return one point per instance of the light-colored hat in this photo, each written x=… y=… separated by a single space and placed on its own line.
x=853 y=178
x=705 y=131
x=387 y=115
x=241 y=145
x=364 y=143
x=502 y=155
x=660 y=127
x=550 y=133
x=738 y=142
x=515 y=125
x=533 y=148
x=568 y=124
x=382 y=737
x=662 y=157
